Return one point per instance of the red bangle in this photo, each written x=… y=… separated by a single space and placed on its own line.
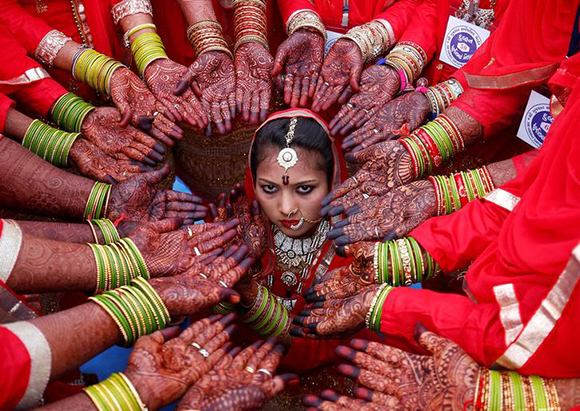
x=461 y=189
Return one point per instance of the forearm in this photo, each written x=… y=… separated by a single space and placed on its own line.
x=197 y=10
x=16 y=124
x=568 y=392
x=51 y=266
x=66 y=232
x=78 y=402
x=76 y=335
x=29 y=184
x=471 y=130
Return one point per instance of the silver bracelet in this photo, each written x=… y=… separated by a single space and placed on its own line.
x=129 y=8
x=49 y=47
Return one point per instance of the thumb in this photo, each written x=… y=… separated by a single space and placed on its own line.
x=277 y=384
x=281 y=56
x=125 y=117
x=355 y=78
x=430 y=341
x=187 y=79
x=167 y=225
x=154 y=177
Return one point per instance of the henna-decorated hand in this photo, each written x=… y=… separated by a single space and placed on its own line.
x=348 y=280
x=386 y=165
x=204 y=284
x=330 y=400
x=162 y=369
x=391 y=215
x=101 y=128
x=378 y=86
x=253 y=64
x=168 y=250
x=300 y=56
x=446 y=379
x=139 y=107
x=231 y=385
x=92 y=162
x=212 y=78
x=342 y=67
x=162 y=77
x=334 y=318
x=137 y=199
x=252 y=229
x=397 y=118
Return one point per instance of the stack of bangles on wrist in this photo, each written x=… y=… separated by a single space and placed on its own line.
x=207 y=35
x=401 y=263
x=98 y=201
x=267 y=316
x=456 y=190
x=373 y=38
x=432 y=144
x=115 y=393
x=49 y=143
x=137 y=309
x=69 y=112
x=118 y=264
x=136 y=29
x=146 y=49
x=250 y=24
x=373 y=316
x=511 y=391
x=408 y=59
x=108 y=230
x=94 y=69
x=305 y=19
x=440 y=96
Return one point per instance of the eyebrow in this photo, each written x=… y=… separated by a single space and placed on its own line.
x=299 y=183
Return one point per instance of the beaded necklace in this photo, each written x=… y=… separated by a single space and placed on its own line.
x=295 y=257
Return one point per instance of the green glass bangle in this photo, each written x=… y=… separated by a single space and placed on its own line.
x=273 y=321
x=282 y=323
x=256 y=315
x=129 y=314
x=103 y=298
x=495 y=387
x=518 y=390
x=539 y=392
x=134 y=308
x=131 y=248
x=264 y=320
x=140 y=301
x=151 y=293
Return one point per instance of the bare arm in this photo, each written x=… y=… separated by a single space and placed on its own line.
x=197 y=10
x=67 y=232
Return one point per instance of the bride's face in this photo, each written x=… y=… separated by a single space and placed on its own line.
x=284 y=205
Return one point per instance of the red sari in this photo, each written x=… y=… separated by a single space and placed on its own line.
x=305 y=354
x=525 y=281
x=22 y=19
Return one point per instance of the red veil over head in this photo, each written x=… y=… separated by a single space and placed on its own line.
x=338 y=176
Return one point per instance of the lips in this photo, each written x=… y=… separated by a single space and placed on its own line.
x=288 y=223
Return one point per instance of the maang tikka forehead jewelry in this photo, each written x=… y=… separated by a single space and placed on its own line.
x=287 y=157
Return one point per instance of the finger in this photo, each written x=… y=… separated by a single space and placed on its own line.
x=170 y=109
x=272 y=360
x=332 y=97
x=155 y=177
x=355 y=78
x=246 y=105
x=214 y=243
x=219 y=340
x=241 y=360
x=185 y=81
x=430 y=341
x=214 y=329
x=216 y=117
x=280 y=59
x=313 y=84
x=304 y=92
x=170 y=333
x=189 y=334
x=126 y=115
x=296 y=89
x=388 y=401
x=264 y=103
x=321 y=90
x=226 y=115
x=179 y=196
x=166 y=225
x=258 y=357
x=227 y=359
x=288 y=85
x=345 y=95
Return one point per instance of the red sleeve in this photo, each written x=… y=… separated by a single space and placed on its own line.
x=5 y=104
x=422 y=29
x=14 y=368
x=40 y=95
x=287 y=7
x=399 y=15
x=457 y=239
x=13 y=59
x=29 y=30
x=475 y=327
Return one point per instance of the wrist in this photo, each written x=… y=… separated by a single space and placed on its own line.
x=142 y=390
x=306 y=20
x=120 y=388
x=373 y=303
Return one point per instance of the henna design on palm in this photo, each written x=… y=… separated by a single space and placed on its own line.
x=162 y=369
x=386 y=165
x=300 y=56
x=168 y=250
x=101 y=128
x=334 y=318
x=397 y=118
x=446 y=378
x=213 y=79
x=92 y=162
x=342 y=67
x=378 y=86
x=253 y=64
x=137 y=199
x=391 y=215
x=139 y=107
x=231 y=385
x=162 y=78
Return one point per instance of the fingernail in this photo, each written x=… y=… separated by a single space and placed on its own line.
x=359 y=344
